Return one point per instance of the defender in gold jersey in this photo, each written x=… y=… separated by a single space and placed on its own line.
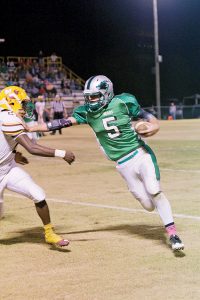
x=13 y=107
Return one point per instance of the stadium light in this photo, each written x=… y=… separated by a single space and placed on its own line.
x=158 y=57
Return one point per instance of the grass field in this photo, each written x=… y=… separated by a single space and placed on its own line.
x=117 y=250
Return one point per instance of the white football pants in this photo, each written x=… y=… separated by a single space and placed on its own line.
x=139 y=173
x=140 y=176
x=19 y=181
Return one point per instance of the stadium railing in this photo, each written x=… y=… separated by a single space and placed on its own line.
x=47 y=63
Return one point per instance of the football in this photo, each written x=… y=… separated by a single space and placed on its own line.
x=140 y=126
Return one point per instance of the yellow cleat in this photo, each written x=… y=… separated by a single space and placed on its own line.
x=53 y=238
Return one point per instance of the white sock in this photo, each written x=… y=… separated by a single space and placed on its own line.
x=164 y=208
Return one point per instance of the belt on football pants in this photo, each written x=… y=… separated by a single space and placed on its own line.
x=127 y=157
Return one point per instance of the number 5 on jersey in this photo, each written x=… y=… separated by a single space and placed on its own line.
x=115 y=131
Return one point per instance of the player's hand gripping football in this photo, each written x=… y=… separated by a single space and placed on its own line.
x=69 y=157
x=151 y=130
x=146 y=129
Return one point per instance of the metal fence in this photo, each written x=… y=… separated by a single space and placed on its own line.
x=182 y=111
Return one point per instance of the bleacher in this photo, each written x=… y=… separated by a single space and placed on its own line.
x=74 y=96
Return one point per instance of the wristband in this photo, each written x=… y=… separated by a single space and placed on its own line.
x=60 y=153
x=58 y=124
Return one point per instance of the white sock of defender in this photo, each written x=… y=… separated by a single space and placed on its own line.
x=164 y=208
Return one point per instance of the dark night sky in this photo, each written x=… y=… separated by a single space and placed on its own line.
x=101 y=37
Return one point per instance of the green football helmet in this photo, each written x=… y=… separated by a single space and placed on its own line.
x=98 y=92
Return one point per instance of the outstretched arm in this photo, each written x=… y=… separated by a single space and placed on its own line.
x=53 y=125
x=41 y=150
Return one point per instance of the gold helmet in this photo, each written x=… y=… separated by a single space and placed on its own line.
x=13 y=98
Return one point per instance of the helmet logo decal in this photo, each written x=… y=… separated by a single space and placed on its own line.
x=103 y=85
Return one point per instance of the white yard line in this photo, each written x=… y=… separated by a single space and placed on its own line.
x=106 y=165
x=179 y=170
x=130 y=210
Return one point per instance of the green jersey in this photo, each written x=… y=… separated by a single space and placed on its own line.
x=112 y=125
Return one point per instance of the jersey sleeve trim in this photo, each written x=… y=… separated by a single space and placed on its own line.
x=13 y=133
x=12 y=129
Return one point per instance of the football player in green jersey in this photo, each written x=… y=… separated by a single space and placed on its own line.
x=110 y=116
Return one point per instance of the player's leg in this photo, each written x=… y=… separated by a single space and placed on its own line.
x=20 y=182
x=150 y=175
x=129 y=172
x=50 y=236
x=164 y=209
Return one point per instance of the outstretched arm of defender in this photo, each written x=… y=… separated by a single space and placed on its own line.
x=53 y=125
x=40 y=150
